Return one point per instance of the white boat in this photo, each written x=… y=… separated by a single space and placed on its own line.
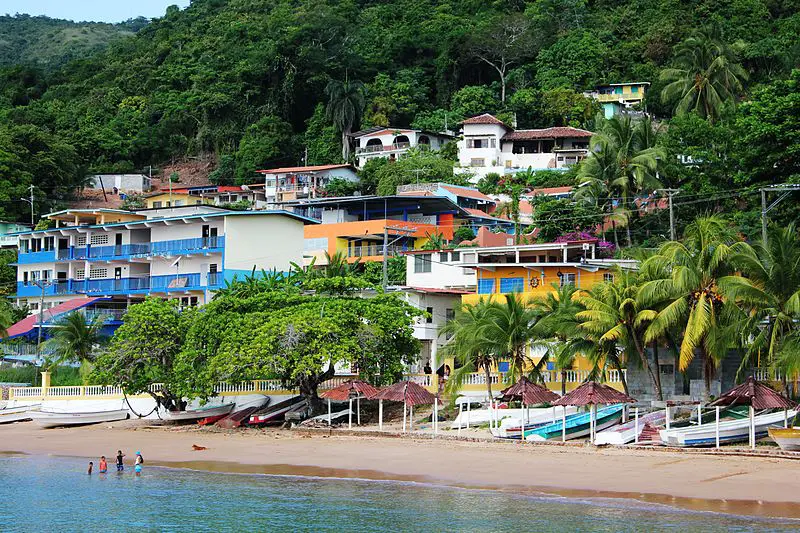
x=18 y=414
x=196 y=414
x=787 y=438
x=625 y=433
x=277 y=412
x=510 y=428
x=479 y=417
x=729 y=431
x=324 y=418
x=51 y=419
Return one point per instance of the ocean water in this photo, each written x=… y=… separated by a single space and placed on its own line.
x=55 y=494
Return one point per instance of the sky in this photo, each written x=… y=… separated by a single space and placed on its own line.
x=90 y=10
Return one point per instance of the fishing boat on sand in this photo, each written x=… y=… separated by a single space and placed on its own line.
x=787 y=438
x=51 y=419
x=241 y=414
x=511 y=428
x=18 y=414
x=729 y=430
x=577 y=425
x=627 y=432
x=196 y=414
x=276 y=413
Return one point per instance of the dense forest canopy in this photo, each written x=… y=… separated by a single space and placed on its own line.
x=245 y=81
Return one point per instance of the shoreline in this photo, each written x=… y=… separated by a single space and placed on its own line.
x=755 y=486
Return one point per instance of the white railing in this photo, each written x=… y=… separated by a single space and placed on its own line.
x=426 y=380
x=102 y=390
x=613 y=375
x=26 y=392
x=65 y=391
x=479 y=378
x=245 y=386
x=270 y=385
x=766 y=374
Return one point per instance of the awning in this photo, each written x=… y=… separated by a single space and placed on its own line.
x=26 y=325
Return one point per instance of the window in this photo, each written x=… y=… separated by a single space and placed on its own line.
x=98 y=273
x=608 y=277
x=666 y=370
x=493 y=142
x=36 y=245
x=634 y=90
x=212 y=268
x=80 y=241
x=178 y=203
x=485 y=286
x=455 y=256
x=617 y=90
x=49 y=243
x=444 y=257
x=99 y=239
x=156 y=205
x=449 y=314
x=476 y=143
x=429 y=318
x=25 y=278
x=512 y=285
x=422 y=263
x=567 y=279
x=320 y=243
x=80 y=273
x=24 y=246
x=477 y=162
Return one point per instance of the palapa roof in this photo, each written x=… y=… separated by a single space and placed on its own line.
x=592 y=393
x=352 y=388
x=754 y=393
x=531 y=393
x=407 y=392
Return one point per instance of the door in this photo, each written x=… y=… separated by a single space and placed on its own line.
x=213 y=238
x=118 y=278
x=118 y=244
x=206 y=233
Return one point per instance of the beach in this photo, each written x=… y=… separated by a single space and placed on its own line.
x=762 y=486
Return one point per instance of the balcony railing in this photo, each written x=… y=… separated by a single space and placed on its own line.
x=46 y=256
x=368 y=250
x=126 y=251
x=382 y=148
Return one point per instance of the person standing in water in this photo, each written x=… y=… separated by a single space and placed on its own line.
x=91 y=465
x=103 y=466
x=120 y=464
x=138 y=465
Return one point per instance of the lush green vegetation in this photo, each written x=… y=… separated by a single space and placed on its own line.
x=60 y=376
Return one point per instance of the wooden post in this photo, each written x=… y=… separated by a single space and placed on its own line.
x=636 y=426
x=699 y=415
x=358 y=410
x=329 y=412
x=435 y=416
x=716 y=429
x=667 y=414
x=564 y=423
x=411 y=417
x=785 y=418
x=469 y=408
x=460 y=417
x=404 y=416
x=380 y=415
x=752 y=428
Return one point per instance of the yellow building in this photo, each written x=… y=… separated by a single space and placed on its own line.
x=616 y=97
x=175 y=199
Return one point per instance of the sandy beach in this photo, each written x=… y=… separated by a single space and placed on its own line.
x=762 y=486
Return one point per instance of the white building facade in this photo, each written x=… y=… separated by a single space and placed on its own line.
x=393 y=143
x=296 y=183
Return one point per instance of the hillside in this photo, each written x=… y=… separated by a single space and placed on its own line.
x=49 y=43
x=245 y=80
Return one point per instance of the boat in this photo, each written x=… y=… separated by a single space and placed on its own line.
x=196 y=414
x=787 y=438
x=625 y=433
x=577 y=425
x=479 y=417
x=242 y=413
x=275 y=413
x=510 y=428
x=18 y=414
x=51 y=419
x=324 y=418
x=729 y=431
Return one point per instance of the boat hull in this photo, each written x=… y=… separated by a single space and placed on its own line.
x=729 y=431
x=577 y=426
x=275 y=413
x=787 y=438
x=51 y=419
x=18 y=414
x=625 y=433
x=196 y=414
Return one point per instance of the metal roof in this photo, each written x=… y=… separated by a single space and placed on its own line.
x=407 y=392
x=352 y=388
x=754 y=393
x=373 y=203
x=593 y=393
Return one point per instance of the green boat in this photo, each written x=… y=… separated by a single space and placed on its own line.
x=578 y=425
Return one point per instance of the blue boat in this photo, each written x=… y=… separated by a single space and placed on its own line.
x=578 y=425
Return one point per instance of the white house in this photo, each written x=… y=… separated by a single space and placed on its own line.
x=439 y=269
x=120 y=182
x=293 y=183
x=393 y=143
x=489 y=145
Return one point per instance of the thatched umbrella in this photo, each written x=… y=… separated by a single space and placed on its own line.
x=591 y=393
x=410 y=394
x=352 y=388
x=528 y=393
x=758 y=396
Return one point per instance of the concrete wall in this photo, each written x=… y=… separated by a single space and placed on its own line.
x=443 y=273
x=262 y=241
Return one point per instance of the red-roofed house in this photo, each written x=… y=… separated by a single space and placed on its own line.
x=294 y=183
x=489 y=145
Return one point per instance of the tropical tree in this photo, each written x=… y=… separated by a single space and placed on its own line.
x=616 y=316
x=5 y=320
x=76 y=339
x=769 y=289
x=685 y=281
x=468 y=345
x=509 y=330
x=707 y=76
x=436 y=241
x=623 y=162
x=346 y=101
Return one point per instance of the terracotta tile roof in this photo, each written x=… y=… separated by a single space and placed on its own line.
x=530 y=393
x=356 y=387
x=407 y=392
x=480 y=214
x=552 y=190
x=592 y=392
x=314 y=168
x=466 y=192
x=558 y=132
x=486 y=118
x=754 y=393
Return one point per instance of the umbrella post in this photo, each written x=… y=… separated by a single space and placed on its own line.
x=358 y=410
x=460 y=413
x=699 y=414
x=666 y=413
x=716 y=429
x=350 y=415
x=329 y=412
x=624 y=413
x=594 y=421
x=785 y=418
x=636 y=425
x=564 y=423
x=435 y=416
x=380 y=415
x=469 y=408
x=404 y=416
x=752 y=428
x=411 y=417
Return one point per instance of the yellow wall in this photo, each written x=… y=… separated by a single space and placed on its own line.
x=186 y=199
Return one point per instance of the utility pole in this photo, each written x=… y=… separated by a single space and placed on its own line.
x=42 y=284
x=30 y=201
x=786 y=189
x=405 y=232
x=670 y=194
x=417 y=172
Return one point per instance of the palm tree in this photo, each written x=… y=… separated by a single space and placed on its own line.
x=468 y=346
x=685 y=279
x=615 y=315
x=5 y=320
x=769 y=288
x=346 y=101
x=509 y=330
x=436 y=241
x=623 y=163
x=707 y=76
x=76 y=339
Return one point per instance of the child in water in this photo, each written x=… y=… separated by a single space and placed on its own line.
x=103 y=465
x=139 y=462
x=120 y=465
x=91 y=465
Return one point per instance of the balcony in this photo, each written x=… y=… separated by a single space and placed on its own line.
x=143 y=250
x=370 y=250
x=376 y=148
x=30 y=289
x=28 y=258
